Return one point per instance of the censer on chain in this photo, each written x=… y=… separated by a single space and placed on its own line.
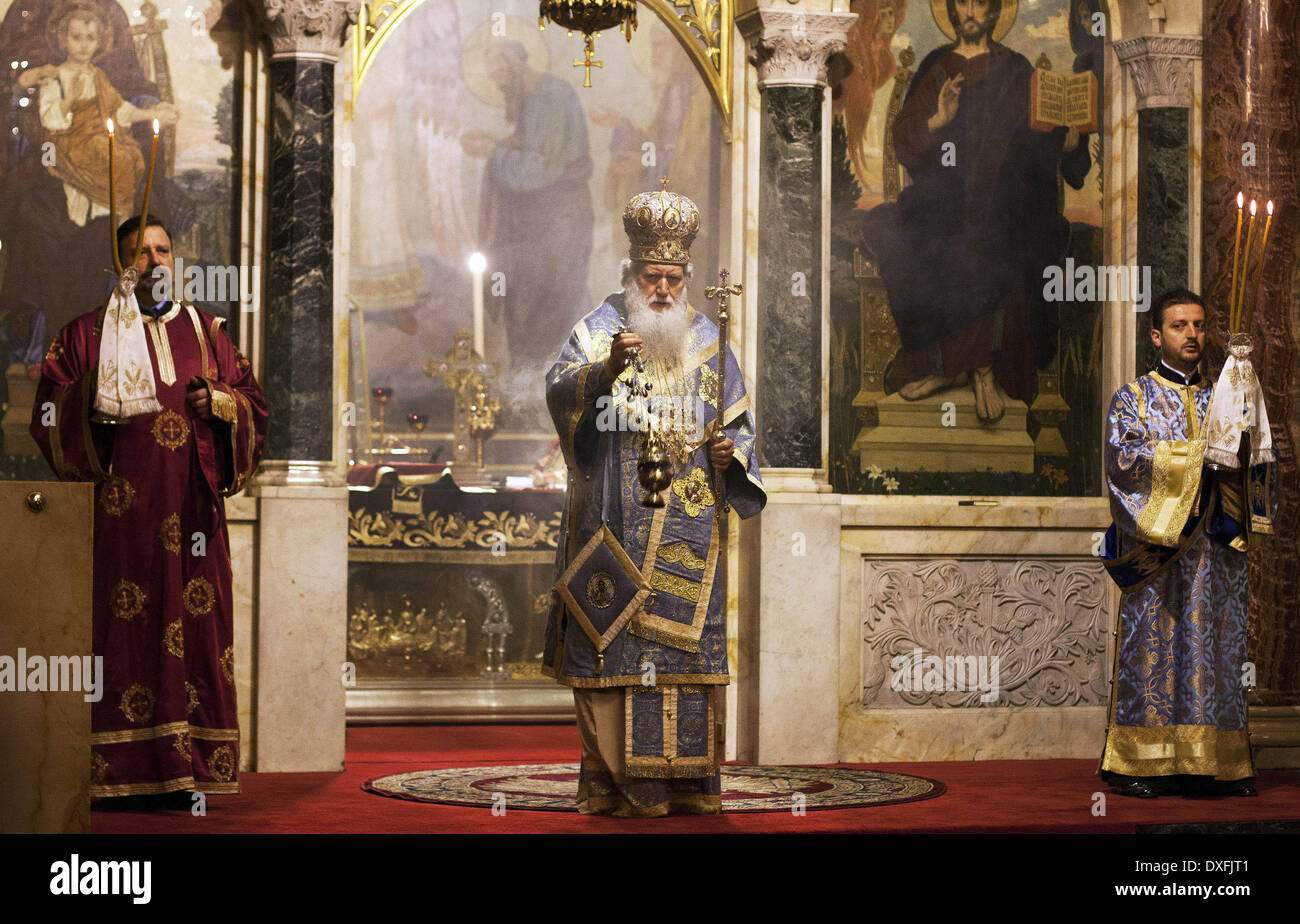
x=654 y=463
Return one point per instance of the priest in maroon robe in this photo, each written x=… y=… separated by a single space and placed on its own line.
x=162 y=464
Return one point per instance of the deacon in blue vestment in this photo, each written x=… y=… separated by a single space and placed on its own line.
x=1177 y=549
x=647 y=666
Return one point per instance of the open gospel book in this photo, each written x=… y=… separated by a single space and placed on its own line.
x=1063 y=99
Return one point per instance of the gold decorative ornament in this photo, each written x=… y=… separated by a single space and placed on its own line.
x=169 y=533
x=182 y=745
x=228 y=664
x=170 y=430
x=694 y=491
x=98 y=768
x=137 y=704
x=127 y=599
x=116 y=496
x=600 y=590
x=191 y=698
x=174 y=639
x=221 y=764
x=198 y=596
x=589 y=17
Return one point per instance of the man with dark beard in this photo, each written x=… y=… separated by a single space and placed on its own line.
x=647 y=668
x=962 y=251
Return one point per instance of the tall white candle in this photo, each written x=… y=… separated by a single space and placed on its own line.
x=477 y=264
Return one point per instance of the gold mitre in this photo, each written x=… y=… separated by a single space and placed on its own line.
x=660 y=226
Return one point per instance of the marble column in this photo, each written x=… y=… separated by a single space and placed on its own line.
x=300 y=624
x=787 y=698
x=1252 y=97
x=1163 y=70
x=790 y=50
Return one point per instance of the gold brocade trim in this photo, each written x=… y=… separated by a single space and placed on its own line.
x=126 y=735
x=669 y=765
x=205 y=359
x=1169 y=749
x=166 y=786
x=677 y=586
x=453 y=530
x=87 y=405
x=223 y=404
x=670 y=632
x=570 y=451
x=1175 y=486
x=162 y=349
x=629 y=680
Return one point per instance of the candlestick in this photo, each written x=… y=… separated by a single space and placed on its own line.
x=1236 y=250
x=148 y=188
x=1235 y=319
x=112 y=202
x=1254 y=292
x=477 y=264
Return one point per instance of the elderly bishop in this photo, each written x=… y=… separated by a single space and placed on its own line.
x=638 y=623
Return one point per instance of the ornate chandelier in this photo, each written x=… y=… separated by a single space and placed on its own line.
x=589 y=17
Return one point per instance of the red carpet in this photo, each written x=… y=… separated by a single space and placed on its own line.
x=1003 y=796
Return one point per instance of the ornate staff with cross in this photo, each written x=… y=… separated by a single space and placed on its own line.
x=721 y=293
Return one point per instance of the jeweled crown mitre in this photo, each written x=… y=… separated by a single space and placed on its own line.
x=661 y=226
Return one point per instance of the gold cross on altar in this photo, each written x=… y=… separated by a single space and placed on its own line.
x=465 y=373
x=589 y=64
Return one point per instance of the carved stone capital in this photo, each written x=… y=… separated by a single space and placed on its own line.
x=308 y=28
x=1162 y=68
x=790 y=48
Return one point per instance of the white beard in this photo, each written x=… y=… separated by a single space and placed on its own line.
x=662 y=331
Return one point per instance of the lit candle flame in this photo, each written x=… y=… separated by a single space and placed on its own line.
x=155 y=126
x=110 y=126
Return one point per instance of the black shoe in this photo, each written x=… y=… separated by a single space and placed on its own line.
x=1245 y=787
x=1136 y=787
x=154 y=802
x=1205 y=787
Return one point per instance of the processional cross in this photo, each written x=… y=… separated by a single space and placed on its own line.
x=466 y=374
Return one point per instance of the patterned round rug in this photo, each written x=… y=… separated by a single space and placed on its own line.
x=554 y=787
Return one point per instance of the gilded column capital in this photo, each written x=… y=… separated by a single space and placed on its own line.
x=790 y=47
x=1162 y=67
x=308 y=28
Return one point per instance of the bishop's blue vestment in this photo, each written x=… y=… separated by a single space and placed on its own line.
x=667 y=664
